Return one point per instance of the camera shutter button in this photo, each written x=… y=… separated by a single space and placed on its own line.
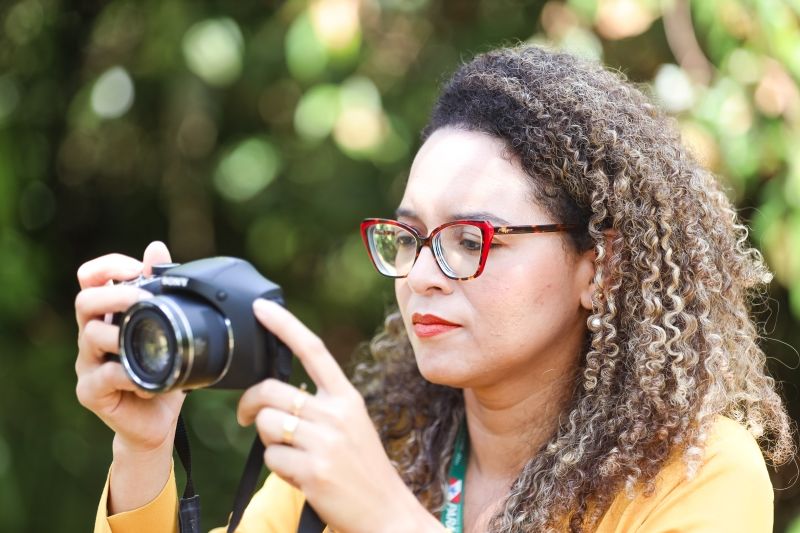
x=221 y=295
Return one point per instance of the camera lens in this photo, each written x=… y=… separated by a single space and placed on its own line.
x=175 y=341
x=150 y=344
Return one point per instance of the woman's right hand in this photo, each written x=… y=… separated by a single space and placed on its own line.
x=142 y=421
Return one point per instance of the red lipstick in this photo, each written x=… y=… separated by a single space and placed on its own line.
x=430 y=325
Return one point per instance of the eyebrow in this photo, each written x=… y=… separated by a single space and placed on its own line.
x=472 y=215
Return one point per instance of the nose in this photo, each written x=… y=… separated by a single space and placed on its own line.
x=426 y=276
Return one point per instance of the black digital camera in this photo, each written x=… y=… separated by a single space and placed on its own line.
x=199 y=329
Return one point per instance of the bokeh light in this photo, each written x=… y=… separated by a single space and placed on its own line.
x=777 y=93
x=335 y=22
x=317 y=112
x=619 y=19
x=247 y=169
x=213 y=50
x=674 y=88
x=744 y=66
x=736 y=113
x=112 y=93
x=581 y=42
x=701 y=143
x=306 y=55
x=361 y=125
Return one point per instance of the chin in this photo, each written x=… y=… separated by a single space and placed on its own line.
x=441 y=371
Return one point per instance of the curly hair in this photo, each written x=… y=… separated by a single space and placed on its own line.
x=670 y=342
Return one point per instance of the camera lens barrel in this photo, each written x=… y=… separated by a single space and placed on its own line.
x=175 y=341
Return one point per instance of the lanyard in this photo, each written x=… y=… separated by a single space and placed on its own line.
x=453 y=512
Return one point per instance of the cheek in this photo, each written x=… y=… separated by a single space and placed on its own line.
x=520 y=311
x=504 y=307
x=402 y=294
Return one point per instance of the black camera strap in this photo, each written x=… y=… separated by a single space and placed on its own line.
x=247 y=484
x=189 y=508
x=309 y=520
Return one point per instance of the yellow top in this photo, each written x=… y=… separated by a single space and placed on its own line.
x=731 y=492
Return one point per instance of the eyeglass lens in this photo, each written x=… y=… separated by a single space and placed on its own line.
x=457 y=249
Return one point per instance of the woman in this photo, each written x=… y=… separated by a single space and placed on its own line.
x=594 y=367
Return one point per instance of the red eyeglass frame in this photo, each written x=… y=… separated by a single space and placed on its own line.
x=488 y=232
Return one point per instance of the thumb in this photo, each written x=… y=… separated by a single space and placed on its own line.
x=155 y=253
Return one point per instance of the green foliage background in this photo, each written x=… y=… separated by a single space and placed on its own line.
x=267 y=130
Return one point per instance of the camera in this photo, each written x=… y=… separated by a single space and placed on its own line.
x=199 y=329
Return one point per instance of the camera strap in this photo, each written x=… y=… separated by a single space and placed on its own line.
x=309 y=520
x=189 y=508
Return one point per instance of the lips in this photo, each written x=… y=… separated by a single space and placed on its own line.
x=417 y=318
x=431 y=325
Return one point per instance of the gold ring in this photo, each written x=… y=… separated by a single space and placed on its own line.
x=289 y=426
x=298 y=403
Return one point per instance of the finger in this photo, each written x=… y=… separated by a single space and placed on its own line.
x=276 y=394
x=156 y=253
x=96 y=340
x=98 y=390
x=287 y=462
x=322 y=368
x=95 y=302
x=271 y=425
x=99 y=271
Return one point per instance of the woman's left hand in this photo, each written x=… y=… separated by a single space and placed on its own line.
x=331 y=451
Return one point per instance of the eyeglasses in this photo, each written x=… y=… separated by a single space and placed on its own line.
x=459 y=247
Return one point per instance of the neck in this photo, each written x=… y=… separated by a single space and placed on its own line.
x=509 y=423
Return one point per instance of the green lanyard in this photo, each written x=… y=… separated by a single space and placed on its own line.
x=453 y=512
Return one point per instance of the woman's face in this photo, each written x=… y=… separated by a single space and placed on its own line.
x=526 y=313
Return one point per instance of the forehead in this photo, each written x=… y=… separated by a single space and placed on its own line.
x=466 y=172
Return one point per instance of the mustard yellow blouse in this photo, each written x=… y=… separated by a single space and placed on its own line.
x=730 y=493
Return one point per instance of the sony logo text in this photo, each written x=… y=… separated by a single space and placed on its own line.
x=174 y=281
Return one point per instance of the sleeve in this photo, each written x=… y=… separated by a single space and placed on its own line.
x=160 y=515
x=275 y=508
x=731 y=492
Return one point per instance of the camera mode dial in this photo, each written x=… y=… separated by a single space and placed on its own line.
x=161 y=268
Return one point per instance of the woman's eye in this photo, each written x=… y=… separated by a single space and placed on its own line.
x=471 y=245
x=405 y=240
